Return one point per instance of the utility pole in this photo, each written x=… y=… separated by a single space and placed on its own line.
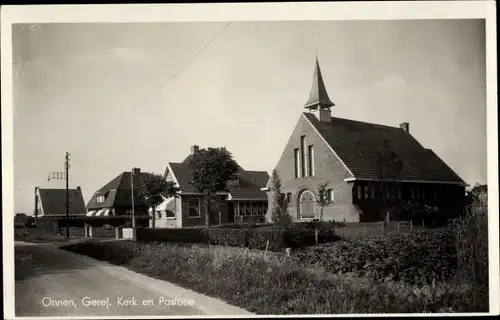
x=133 y=205
x=63 y=176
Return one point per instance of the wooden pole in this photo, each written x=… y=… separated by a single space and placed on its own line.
x=316 y=235
x=66 y=167
x=265 y=252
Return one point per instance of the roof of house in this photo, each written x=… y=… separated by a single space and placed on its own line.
x=53 y=201
x=250 y=182
x=357 y=144
x=118 y=192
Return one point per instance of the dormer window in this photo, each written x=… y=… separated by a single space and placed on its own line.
x=101 y=199
x=234 y=182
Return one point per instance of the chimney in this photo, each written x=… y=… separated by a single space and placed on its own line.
x=195 y=149
x=78 y=188
x=136 y=171
x=405 y=126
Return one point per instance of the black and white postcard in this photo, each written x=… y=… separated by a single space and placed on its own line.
x=240 y=160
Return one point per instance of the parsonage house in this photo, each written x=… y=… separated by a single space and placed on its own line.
x=52 y=203
x=115 y=197
x=245 y=201
x=344 y=153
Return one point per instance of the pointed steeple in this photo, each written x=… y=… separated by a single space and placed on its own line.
x=318 y=97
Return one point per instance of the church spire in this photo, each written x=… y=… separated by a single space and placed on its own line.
x=318 y=97
x=319 y=103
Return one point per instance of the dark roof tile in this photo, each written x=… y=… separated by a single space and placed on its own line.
x=357 y=143
x=54 y=201
x=250 y=182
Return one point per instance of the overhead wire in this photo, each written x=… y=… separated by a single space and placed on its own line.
x=192 y=60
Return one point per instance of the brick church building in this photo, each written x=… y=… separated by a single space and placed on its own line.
x=346 y=154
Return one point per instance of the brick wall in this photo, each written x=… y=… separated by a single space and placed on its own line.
x=188 y=221
x=327 y=168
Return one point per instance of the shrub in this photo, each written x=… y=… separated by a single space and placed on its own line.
x=416 y=257
x=472 y=252
x=258 y=239
x=228 y=237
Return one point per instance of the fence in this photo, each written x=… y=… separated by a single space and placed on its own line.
x=368 y=230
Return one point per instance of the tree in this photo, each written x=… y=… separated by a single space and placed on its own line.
x=154 y=188
x=210 y=171
x=322 y=198
x=389 y=168
x=279 y=213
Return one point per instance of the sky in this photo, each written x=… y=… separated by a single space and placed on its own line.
x=123 y=95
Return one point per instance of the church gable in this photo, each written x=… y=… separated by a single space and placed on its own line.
x=307 y=158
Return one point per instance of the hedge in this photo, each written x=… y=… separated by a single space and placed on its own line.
x=191 y=235
x=274 y=238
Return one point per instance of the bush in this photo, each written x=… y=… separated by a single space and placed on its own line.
x=417 y=257
x=472 y=252
x=258 y=239
x=188 y=235
x=228 y=237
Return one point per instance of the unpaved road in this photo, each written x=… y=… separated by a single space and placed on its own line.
x=54 y=282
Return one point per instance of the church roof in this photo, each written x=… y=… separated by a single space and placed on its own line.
x=356 y=143
x=318 y=94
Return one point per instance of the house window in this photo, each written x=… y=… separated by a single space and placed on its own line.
x=372 y=192
x=360 y=192
x=310 y=160
x=435 y=193
x=367 y=196
x=265 y=208
x=101 y=199
x=330 y=195
x=297 y=162
x=248 y=207
x=261 y=208
x=307 y=208
x=423 y=192
x=413 y=192
x=400 y=196
x=289 y=197
x=255 y=208
x=170 y=214
x=302 y=155
x=193 y=208
x=241 y=206
x=418 y=193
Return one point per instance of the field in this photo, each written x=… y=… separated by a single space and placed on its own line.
x=435 y=270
